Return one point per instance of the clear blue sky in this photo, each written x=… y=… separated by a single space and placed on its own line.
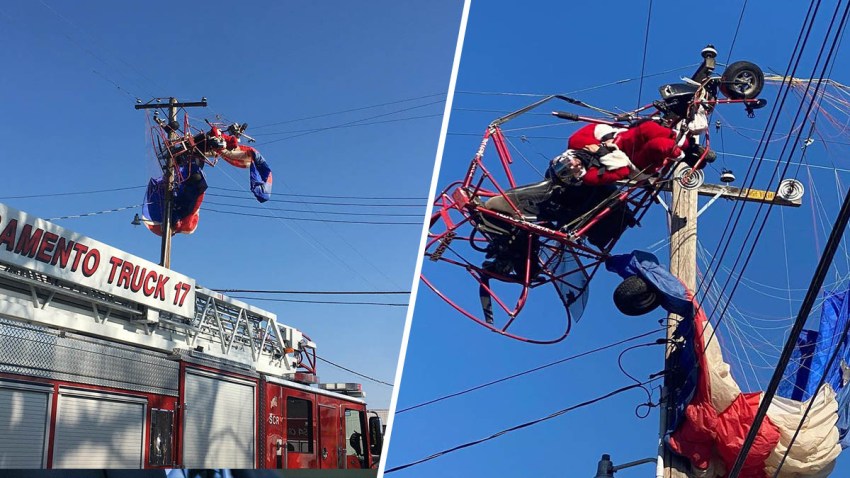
x=74 y=69
x=561 y=47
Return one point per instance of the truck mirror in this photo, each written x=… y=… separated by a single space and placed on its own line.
x=376 y=435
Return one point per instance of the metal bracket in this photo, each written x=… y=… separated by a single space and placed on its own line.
x=711 y=201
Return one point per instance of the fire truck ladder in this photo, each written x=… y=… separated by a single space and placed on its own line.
x=222 y=328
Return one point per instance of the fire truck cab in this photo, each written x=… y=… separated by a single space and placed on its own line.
x=110 y=361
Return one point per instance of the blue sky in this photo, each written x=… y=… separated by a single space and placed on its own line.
x=596 y=52
x=79 y=67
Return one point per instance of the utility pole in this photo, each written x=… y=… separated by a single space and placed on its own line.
x=683 y=264
x=683 y=246
x=168 y=169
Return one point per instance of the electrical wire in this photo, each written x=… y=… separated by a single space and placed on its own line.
x=643 y=62
x=318 y=203
x=519 y=427
x=326 y=302
x=325 y=196
x=342 y=221
x=315 y=292
x=773 y=121
x=524 y=372
x=95 y=213
x=75 y=193
x=336 y=113
x=349 y=123
x=354 y=372
x=817 y=281
x=333 y=213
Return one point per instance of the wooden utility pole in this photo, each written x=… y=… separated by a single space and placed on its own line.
x=683 y=264
x=168 y=171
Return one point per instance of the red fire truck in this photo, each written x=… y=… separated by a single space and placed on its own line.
x=110 y=361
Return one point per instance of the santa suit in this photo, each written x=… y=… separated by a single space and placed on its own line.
x=647 y=144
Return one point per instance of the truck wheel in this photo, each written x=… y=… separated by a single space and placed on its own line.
x=635 y=297
x=742 y=80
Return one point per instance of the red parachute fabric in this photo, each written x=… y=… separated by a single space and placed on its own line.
x=707 y=432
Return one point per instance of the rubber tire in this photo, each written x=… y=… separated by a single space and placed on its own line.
x=742 y=70
x=634 y=296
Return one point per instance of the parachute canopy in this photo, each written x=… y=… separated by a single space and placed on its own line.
x=190 y=156
x=713 y=415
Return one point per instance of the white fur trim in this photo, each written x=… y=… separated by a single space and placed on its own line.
x=615 y=159
x=601 y=130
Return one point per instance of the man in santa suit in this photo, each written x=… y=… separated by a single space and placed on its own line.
x=646 y=147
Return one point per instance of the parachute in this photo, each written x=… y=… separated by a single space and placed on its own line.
x=190 y=154
x=713 y=415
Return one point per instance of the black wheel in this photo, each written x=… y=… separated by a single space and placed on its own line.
x=742 y=80
x=634 y=296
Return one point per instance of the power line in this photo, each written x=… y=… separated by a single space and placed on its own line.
x=348 y=123
x=353 y=125
x=327 y=302
x=375 y=223
x=412 y=198
x=811 y=295
x=355 y=373
x=316 y=292
x=77 y=193
x=525 y=372
x=320 y=203
x=643 y=62
x=519 y=427
x=95 y=213
x=350 y=110
x=337 y=213
x=581 y=90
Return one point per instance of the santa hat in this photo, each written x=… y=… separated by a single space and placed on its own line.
x=604 y=132
x=592 y=134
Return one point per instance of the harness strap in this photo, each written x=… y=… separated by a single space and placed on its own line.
x=486 y=299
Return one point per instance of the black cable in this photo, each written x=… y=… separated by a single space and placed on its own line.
x=370 y=123
x=72 y=193
x=330 y=302
x=365 y=198
x=319 y=203
x=643 y=62
x=355 y=373
x=773 y=121
x=787 y=163
x=648 y=404
x=305 y=211
x=315 y=292
x=737 y=29
x=749 y=179
x=518 y=427
x=383 y=223
x=524 y=372
x=821 y=382
x=305 y=118
x=811 y=295
x=347 y=123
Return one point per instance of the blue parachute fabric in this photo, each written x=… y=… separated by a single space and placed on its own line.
x=261 y=178
x=188 y=191
x=675 y=299
x=798 y=371
x=833 y=318
x=812 y=353
x=571 y=284
x=154 y=201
